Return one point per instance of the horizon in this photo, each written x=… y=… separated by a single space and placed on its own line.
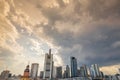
x=87 y=30
x=63 y=66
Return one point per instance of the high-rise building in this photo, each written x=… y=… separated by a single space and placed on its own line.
x=86 y=71
x=34 y=70
x=67 y=71
x=26 y=71
x=41 y=74
x=83 y=71
x=5 y=75
x=26 y=74
x=95 y=72
x=73 y=67
x=59 y=72
x=48 y=66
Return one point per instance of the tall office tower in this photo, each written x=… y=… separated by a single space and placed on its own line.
x=73 y=67
x=48 y=66
x=95 y=72
x=67 y=72
x=86 y=71
x=26 y=71
x=59 y=72
x=26 y=74
x=34 y=70
x=41 y=74
x=82 y=71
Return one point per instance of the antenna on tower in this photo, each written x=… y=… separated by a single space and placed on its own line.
x=49 y=51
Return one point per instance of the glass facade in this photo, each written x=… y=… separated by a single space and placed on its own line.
x=73 y=67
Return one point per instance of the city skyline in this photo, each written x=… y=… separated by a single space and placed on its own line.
x=84 y=72
x=87 y=30
x=49 y=67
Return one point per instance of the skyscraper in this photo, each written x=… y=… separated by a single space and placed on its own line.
x=86 y=71
x=59 y=72
x=48 y=65
x=41 y=74
x=34 y=70
x=73 y=67
x=83 y=71
x=95 y=72
x=26 y=71
x=67 y=71
x=26 y=74
x=5 y=75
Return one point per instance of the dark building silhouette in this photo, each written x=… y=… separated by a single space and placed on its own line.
x=73 y=67
x=59 y=72
x=41 y=74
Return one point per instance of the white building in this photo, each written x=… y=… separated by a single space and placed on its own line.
x=34 y=70
x=95 y=72
x=48 y=66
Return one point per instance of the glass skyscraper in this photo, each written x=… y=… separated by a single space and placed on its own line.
x=73 y=67
x=95 y=72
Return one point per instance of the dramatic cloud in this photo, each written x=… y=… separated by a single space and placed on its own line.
x=88 y=30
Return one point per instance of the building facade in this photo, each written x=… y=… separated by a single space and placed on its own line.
x=48 y=66
x=67 y=71
x=34 y=70
x=41 y=74
x=83 y=71
x=59 y=72
x=26 y=75
x=95 y=72
x=73 y=67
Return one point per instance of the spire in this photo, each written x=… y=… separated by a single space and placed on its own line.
x=49 y=51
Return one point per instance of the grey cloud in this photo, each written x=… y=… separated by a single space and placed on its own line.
x=61 y=13
x=96 y=9
x=6 y=56
x=94 y=47
x=116 y=44
x=94 y=42
x=104 y=9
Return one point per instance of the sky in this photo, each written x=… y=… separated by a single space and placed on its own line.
x=86 y=29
